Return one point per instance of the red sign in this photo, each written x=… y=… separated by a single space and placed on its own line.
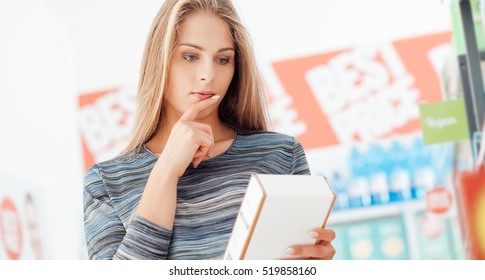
x=10 y=229
x=362 y=94
x=106 y=123
x=438 y=200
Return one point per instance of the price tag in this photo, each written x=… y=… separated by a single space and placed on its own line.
x=438 y=200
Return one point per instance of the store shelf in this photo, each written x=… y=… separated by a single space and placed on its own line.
x=375 y=212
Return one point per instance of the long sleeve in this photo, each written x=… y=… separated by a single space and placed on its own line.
x=106 y=236
x=299 y=164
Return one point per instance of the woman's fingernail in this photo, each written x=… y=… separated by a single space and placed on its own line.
x=290 y=250
x=313 y=234
x=215 y=97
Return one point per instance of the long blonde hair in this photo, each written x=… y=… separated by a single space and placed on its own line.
x=243 y=107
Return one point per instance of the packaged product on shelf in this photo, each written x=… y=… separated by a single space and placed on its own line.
x=423 y=175
x=361 y=242
x=359 y=187
x=377 y=165
x=400 y=177
x=434 y=237
x=340 y=188
x=457 y=238
x=389 y=234
x=443 y=159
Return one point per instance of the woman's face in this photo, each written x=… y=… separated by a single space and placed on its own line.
x=202 y=64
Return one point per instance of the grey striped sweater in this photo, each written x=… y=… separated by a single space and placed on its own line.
x=208 y=199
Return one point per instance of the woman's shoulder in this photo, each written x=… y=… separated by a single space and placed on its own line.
x=267 y=137
x=126 y=162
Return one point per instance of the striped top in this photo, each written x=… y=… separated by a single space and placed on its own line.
x=208 y=199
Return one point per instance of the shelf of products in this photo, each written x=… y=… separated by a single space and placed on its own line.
x=401 y=230
x=381 y=210
x=375 y=212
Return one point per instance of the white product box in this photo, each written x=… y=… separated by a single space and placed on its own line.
x=279 y=211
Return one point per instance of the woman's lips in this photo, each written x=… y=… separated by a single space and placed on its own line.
x=202 y=95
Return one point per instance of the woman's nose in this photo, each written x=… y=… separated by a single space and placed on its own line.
x=206 y=71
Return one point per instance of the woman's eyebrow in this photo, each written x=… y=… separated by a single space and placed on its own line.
x=202 y=49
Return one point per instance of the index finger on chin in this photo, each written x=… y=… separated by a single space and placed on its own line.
x=194 y=110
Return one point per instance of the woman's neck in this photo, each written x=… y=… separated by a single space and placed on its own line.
x=220 y=132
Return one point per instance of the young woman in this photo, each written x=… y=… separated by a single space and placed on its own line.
x=201 y=130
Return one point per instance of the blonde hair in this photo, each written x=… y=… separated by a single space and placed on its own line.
x=243 y=107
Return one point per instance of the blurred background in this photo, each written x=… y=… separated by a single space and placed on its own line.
x=363 y=85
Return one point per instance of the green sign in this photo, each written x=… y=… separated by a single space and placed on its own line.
x=444 y=121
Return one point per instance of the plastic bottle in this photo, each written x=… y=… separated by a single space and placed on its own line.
x=442 y=160
x=359 y=187
x=399 y=173
x=379 y=186
x=422 y=170
x=340 y=188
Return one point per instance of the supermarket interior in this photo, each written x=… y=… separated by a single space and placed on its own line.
x=387 y=99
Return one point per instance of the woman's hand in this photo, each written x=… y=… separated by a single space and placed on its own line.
x=189 y=141
x=323 y=250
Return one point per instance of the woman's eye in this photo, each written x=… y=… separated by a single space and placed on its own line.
x=223 y=60
x=190 y=57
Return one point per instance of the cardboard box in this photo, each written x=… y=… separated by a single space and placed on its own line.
x=279 y=211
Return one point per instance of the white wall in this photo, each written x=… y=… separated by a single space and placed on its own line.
x=282 y=29
x=53 y=50
x=40 y=143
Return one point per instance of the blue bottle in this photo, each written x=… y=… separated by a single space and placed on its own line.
x=358 y=189
x=339 y=186
x=423 y=174
x=379 y=182
x=399 y=173
x=442 y=160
